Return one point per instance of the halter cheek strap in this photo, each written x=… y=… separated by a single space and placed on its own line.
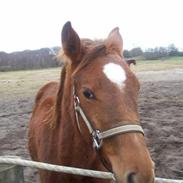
x=97 y=135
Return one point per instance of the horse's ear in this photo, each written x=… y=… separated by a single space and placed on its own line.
x=70 y=42
x=115 y=41
x=130 y=61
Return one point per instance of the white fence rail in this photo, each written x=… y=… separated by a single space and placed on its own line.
x=70 y=170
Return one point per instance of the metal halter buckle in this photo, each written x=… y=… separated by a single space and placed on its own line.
x=76 y=98
x=76 y=101
x=97 y=142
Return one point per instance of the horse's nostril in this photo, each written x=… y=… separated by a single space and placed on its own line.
x=130 y=177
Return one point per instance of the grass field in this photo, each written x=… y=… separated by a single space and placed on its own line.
x=157 y=65
x=17 y=83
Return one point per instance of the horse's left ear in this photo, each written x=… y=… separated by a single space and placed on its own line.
x=70 y=42
x=115 y=41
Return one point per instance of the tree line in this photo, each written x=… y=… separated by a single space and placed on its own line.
x=29 y=59
x=45 y=57
x=153 y=53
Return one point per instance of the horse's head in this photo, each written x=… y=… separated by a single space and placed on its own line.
x=107 y=91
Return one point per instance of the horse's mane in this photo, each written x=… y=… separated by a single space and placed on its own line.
x=60 y=95
x=54 y=113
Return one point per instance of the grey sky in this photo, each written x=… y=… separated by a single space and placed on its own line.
x=32 y=24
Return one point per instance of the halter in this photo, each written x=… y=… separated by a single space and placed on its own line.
x=96 y=134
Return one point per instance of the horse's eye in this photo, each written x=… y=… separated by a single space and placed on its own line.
x=88 y=94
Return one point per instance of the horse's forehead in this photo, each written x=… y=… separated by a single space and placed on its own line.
x=115 y=73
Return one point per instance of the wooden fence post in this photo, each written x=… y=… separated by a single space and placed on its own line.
x=11 y=174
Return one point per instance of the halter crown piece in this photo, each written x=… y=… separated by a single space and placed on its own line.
x=96 y=134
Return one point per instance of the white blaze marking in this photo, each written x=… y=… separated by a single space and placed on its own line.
x=115 y=73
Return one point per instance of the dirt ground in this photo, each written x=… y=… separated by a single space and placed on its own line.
x=161 y=111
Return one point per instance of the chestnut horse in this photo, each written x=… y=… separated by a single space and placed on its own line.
x=93 y=105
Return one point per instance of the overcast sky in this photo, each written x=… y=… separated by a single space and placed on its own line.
x=33 y=24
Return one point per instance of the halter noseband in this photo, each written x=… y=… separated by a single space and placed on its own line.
x=96 y=134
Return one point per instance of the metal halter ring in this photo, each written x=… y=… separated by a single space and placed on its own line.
x=76 y=101
x=97 y=142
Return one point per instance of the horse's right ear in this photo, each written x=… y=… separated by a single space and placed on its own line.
x=70 y=42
